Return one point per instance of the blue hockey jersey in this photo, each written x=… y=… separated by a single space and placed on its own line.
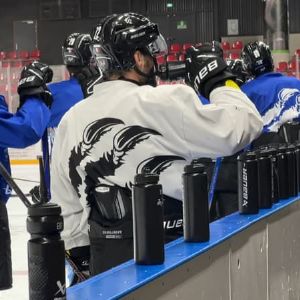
x=65 y=94
x=19 y=131
x=276 y=97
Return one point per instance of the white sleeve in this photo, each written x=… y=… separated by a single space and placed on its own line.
x=75 y=210
x=223 y=127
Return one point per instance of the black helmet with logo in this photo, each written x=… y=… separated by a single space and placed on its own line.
x=76 y=50
x=257 y=58
x=117 y=37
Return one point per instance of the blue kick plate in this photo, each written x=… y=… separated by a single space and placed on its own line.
x=127 y=277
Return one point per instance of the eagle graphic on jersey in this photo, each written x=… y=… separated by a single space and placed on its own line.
x=125 y=140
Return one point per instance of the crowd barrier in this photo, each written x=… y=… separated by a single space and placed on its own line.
x=247 y=257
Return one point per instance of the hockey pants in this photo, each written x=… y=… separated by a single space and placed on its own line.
x=5 y=250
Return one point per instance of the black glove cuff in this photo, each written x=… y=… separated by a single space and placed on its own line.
x=77 y=252
x=215 y=82
x=40 y=92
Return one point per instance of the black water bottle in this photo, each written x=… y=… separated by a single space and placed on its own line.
x=148 y=230
x=292 y=170
x=195 y=204
x=282 y=173
x=274 y=174
x=264 y=168
x=46 y=253
x=247 y=183
x=297 y=156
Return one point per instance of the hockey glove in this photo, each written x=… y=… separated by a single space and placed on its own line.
x=79 y=258
x=88 y=77
x=206 y=69
x=33 y=81
x=237 y=68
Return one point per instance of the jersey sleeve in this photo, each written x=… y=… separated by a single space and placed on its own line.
x=223 y=127
x=26 y=126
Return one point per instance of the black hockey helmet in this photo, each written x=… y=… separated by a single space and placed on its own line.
x=117 y=37
x=76 y=50
x=257 y=58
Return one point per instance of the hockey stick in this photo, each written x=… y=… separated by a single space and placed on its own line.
x=13 y=185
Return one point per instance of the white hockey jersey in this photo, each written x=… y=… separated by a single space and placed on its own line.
x=124 y=128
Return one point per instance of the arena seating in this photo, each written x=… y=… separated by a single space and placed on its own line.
x=282 y=67
x=11 y=64
x=171 y=57
x=175 y=49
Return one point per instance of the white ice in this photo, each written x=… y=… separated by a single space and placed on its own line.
x=17 y=213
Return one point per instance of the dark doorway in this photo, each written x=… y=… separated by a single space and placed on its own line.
x=25 y=35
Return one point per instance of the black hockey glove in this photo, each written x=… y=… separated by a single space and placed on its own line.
x=237 y=68
x=79 y=259
x=206 y=69
x=37 y=195
x=88 y=77
x=33 y=81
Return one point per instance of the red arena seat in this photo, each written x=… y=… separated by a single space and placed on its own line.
x=237 y=45
x=12 y=55
x=225 y=46
x=282 y=66
x=234 y=55
x=175 y=48
x=23 y=54
x=35 y=54
x=181 y=57
x=160 y=60
x=171 y=57
x=2 y=55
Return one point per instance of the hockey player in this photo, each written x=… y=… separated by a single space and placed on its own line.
x=275 y=95
x=77 y=58
x=19 y=131
x=128 y=125
x=84 y=75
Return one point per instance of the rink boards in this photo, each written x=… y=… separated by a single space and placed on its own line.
x=247 y=257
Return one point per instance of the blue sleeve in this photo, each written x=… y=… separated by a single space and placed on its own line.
x=203 y=100
x=25 y=127
x=65 y=95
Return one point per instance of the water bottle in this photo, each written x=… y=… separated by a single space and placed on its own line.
x=282 y=173
x=274 y=174
x=292 y=170
x=46 y=253
x=247 y=183
x=264 y=168
x=148 y=230
x=297 y=156
x=195 y=204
